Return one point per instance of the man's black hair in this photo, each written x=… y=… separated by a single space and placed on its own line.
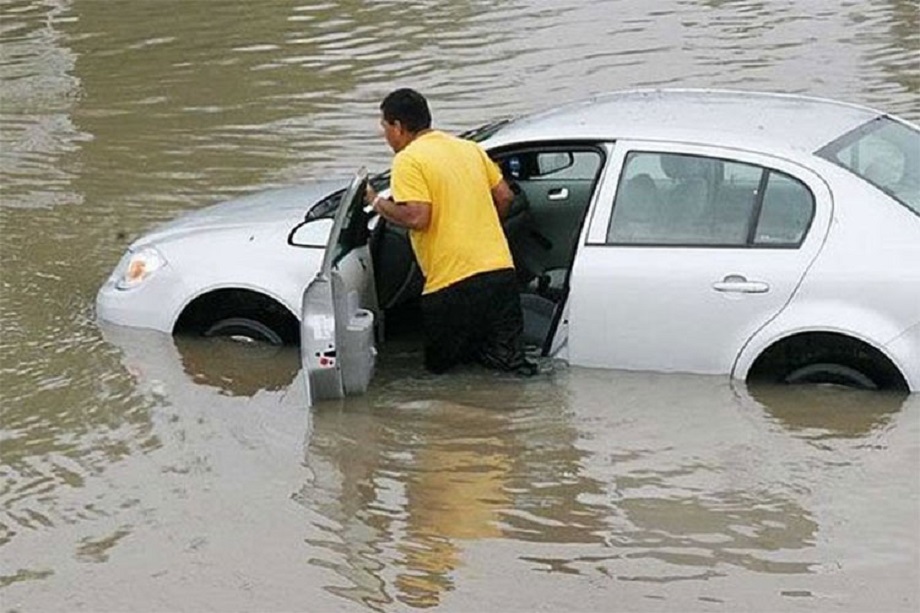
x=408 y=107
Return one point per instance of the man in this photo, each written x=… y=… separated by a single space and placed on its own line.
x=451 y=196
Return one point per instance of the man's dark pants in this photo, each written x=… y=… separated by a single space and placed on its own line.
x=476 y=319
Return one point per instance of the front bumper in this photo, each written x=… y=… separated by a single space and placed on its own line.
x=155 y=304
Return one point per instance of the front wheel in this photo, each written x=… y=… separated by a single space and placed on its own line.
x=244 y=330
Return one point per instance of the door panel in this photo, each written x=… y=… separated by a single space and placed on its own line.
x=340 y=305
x=558 y=218
x=676 y=276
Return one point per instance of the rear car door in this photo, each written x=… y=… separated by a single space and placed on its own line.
x=690 y=251
x=339 y=306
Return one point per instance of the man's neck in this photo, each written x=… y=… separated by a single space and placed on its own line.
x=419 y=134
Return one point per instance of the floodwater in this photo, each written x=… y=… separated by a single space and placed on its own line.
x=143 y=473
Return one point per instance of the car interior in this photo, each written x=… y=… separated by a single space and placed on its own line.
x=553 y=186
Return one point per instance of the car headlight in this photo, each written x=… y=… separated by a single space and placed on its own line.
x=137 y=266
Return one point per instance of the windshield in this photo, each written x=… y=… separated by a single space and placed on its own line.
x=884 y=152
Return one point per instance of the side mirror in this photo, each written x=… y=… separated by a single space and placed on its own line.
x=311 y=233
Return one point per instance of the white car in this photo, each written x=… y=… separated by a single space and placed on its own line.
x=762 y=236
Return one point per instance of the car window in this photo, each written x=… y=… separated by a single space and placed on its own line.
x=325 y=208
x=551 y=165
x=578 y=166
x=688 y=200
x=884 y=152
x=354 y=230
x=328 y=206
x=786 y=212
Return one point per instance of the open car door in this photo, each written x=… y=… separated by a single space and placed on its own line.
x=340 y=306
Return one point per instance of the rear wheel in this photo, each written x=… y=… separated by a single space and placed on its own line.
x=827 y=358
x=833 y=374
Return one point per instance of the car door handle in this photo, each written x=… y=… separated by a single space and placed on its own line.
x=737 y=284
x=560 y=193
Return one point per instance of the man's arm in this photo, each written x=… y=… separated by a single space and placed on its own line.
x=412 y=215
x=502 y=197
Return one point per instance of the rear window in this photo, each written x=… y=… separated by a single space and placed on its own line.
x=884 y=152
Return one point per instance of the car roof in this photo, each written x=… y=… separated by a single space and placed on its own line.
x=748 y=120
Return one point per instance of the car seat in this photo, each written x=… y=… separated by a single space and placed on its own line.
x=637 y=211
x=538 y=318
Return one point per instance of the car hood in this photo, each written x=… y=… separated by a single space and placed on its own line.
x=287 y=205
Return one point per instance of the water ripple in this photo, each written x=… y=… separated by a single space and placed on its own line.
x=119 y=115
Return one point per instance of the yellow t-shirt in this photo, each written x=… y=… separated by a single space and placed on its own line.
x=464 y=236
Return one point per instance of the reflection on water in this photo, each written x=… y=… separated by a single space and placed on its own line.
x=818 y=412
x=667 y=483
x=409 y=484
x=131 y=460
x=237 y=368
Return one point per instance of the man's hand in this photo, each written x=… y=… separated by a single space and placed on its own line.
x=369 y=195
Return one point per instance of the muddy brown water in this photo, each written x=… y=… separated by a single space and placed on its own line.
x=143 y=473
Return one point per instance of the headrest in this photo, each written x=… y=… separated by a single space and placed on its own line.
x=683 y=167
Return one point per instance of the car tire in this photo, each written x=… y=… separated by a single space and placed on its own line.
x=831 y=373
x=244 y=329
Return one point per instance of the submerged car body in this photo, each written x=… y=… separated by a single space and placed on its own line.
x=759 y=235
x=230 y=260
